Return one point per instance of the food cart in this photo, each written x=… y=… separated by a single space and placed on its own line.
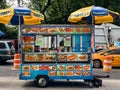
x=52 y=52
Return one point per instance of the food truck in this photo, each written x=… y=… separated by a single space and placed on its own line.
x=56 y=52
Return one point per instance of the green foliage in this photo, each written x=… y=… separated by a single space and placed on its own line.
x=3 y=4
x=10 y=32
x=58 y=11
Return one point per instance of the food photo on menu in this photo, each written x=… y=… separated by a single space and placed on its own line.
x=26 y=73
x=69 y=67
x=78 y=67
x=60 y=73
x=72 y=57
x=28 y=39
x=82 y=57
x=29 y=57
x=28 y=48
x=42 y=30
x=62 y=57
x=52 y=67
x=26 y=67
x=35 y=67
x=52 y=73
x=77 y=73
x=61 y=67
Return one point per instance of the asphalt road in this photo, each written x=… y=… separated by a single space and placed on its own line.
x=9 y=80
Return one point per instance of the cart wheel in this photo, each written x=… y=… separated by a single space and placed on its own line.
x=91 y=85
x=42 y=81
x=97 y=84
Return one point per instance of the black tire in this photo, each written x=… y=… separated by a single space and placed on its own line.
x=42 y=81
x=91 y=84
x=97 y=64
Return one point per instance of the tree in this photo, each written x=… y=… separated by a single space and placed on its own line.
x=10 y=32
x=3 y=5
x=57 y=11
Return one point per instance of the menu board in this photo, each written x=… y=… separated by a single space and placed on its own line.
x=59 y=69
x=57 y=30
x=61 y=57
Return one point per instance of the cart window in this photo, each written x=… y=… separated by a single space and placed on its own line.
x=45 y=43
x=80 y=43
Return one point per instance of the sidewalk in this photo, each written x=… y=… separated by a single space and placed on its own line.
x=13 y=83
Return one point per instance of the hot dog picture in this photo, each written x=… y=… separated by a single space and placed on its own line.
x=82 y=57
x=72 y=57
x=86 y=67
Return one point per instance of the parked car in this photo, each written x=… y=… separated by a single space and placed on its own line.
x=7 y=51
x=98 y=57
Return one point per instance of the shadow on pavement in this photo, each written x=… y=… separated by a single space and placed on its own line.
x=8 y=63
x=60 y=84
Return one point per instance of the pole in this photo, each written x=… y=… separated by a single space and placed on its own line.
x=19 y=36
x=18 y=3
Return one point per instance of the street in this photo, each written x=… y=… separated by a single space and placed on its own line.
x=9 y=80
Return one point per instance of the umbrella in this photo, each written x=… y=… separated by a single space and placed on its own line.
x=93 y=14
x=1 y=33
x=19 y=16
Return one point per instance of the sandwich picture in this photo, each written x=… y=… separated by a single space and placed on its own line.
x=52 y=73
x=69 y=67
x=26 y=73
x=26 y=67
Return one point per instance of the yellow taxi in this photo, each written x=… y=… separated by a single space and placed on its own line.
x=98 y=57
